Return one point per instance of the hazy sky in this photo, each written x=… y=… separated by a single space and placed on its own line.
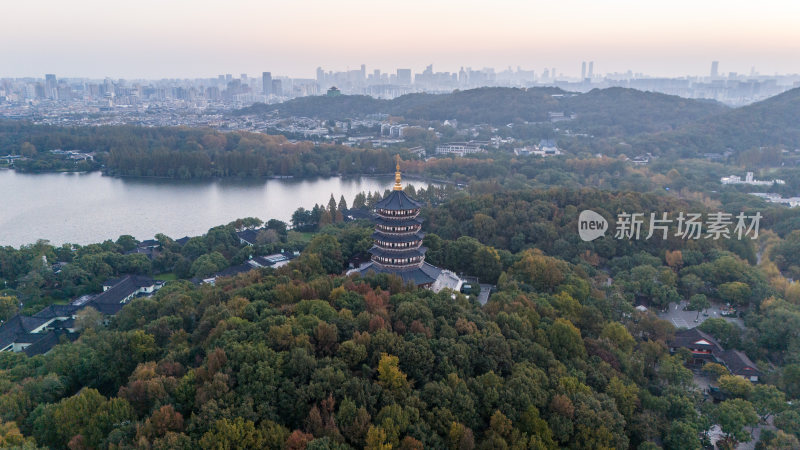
x=203 y=38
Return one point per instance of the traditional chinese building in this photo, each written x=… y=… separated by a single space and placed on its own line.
x=704 y=348
x=398 y=248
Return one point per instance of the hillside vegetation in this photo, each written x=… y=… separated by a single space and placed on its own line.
x=615 y=110
x=771 y=122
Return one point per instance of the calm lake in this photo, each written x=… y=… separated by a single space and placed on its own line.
x=89 y=207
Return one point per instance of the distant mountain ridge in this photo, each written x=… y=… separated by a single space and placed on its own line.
x=612 y=110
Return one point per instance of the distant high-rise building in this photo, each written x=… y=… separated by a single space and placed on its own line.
x=320 y=75
x=714 y=69
x=583 y=70
x=228 y=77
x=50 y=86
x=277 y=87
x=590 y=72
x=363 y=72
x=404 y=76
x=213 y=93
x=266 y=83
x=233 y=87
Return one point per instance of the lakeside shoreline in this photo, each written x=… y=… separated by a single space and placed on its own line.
x=243 y=178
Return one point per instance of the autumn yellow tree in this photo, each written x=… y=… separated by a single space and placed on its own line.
x=390 y=376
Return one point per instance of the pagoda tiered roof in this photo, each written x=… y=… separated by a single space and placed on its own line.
x=398 y=201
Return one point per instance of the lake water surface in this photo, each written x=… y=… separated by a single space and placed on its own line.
x=83 y=208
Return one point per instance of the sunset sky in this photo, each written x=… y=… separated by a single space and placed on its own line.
x=202 y=38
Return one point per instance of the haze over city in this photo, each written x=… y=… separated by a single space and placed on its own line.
x=151 y=39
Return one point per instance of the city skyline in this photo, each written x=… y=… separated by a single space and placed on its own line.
x=577 y=71
x=153 y=40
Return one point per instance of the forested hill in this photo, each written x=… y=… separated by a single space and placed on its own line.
x=614 y=110
x=485 y=105
x=497 y=106
x=771 y=122
x=343 y=106
x=620 y=111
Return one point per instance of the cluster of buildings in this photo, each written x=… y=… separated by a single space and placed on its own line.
x=404 y=81
x=66 y=101
x=39 y=333
x=395 y=130
x=546 y=147
x=749 y=179
x=75 y=155
x=791 y=202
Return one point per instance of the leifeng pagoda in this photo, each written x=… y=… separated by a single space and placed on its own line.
x=398 y=248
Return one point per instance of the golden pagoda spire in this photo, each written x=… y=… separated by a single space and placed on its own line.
x=397 y=182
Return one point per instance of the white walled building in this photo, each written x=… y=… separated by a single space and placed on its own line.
x=459 y=149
